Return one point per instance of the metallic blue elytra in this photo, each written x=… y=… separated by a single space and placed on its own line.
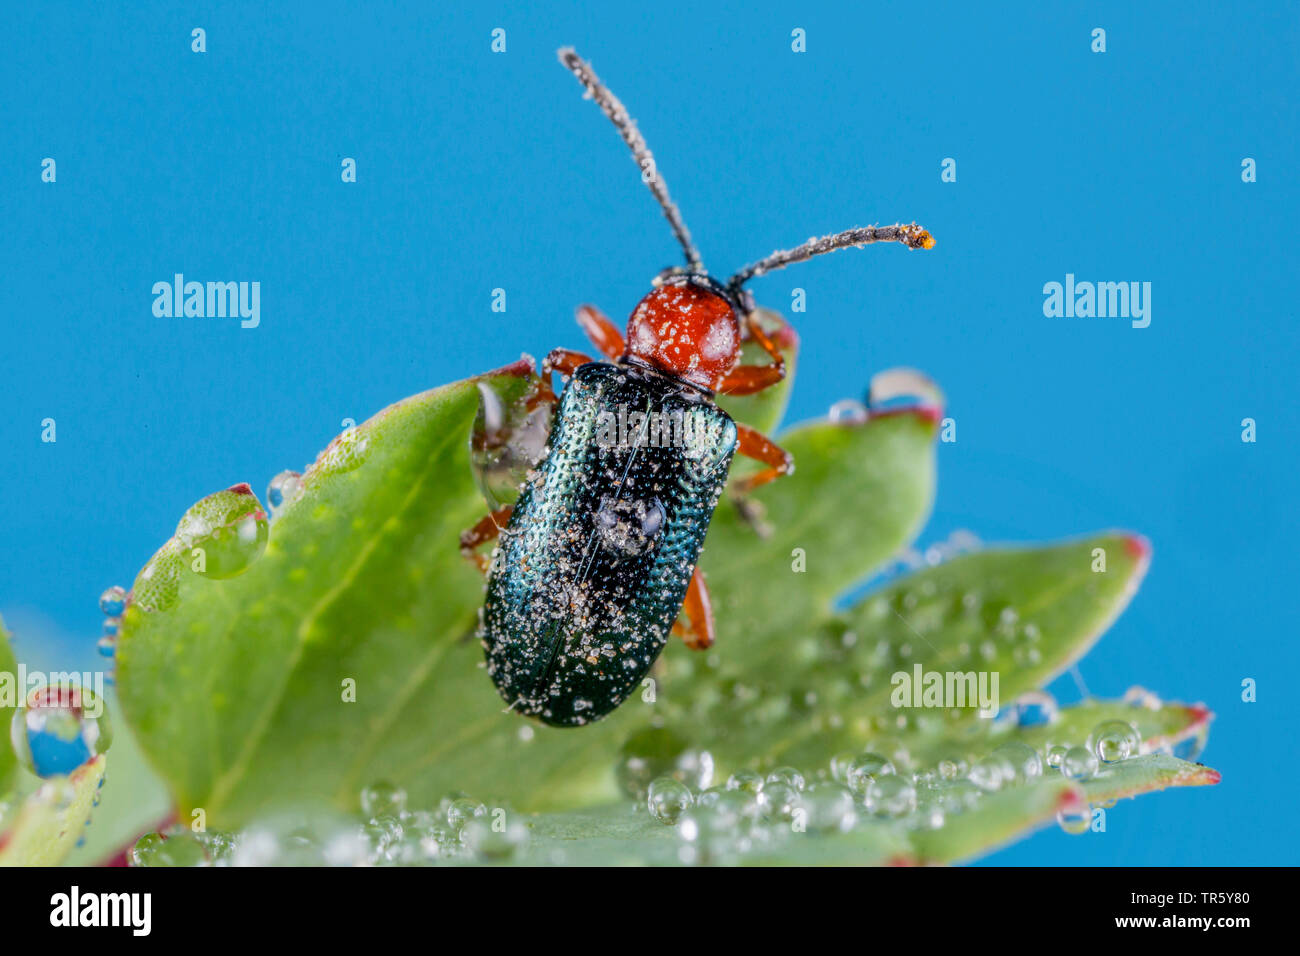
x=592 y=569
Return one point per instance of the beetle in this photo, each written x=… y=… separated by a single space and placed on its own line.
x=596 y=559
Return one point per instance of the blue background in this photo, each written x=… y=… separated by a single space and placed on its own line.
x=478 y=171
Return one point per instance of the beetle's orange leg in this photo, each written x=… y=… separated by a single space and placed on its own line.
x=564 y=361
x=756 y=445
x=602 y=332
x=698 y=632
x=748 y=379
x=488 y=529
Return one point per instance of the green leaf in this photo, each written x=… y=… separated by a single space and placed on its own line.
x=9 y=691
x=626 y=835
x=1027 y=613
x=238 y=684
x=344 y=654
x=859 y=494
x=43 y=828
x=620 y=835
x=1008 y=814
x=1022 y=614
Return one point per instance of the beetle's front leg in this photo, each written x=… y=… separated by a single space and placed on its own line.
x=748 y=379
x=603 y=333
x=564 y=361
x=698 y=631
x=488 y=529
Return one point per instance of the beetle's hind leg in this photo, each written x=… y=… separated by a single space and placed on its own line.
x=698 y=631
x=488 y=529
x=754 y=444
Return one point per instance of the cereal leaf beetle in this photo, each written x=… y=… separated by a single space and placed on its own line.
x=597 y=557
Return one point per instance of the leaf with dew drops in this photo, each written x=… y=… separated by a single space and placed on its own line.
x=831 y=687
x=42 y=829
x=1011 y=813
x=242 y=684
x=239 y=684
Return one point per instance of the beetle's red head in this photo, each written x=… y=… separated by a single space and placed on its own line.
x=688 y=327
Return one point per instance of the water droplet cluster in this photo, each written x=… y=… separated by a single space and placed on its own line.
x=388 y=832
x=750 y=811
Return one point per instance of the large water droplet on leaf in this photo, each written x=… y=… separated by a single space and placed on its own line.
x=58 y=729
x=668 y=799
x=903 y=388
x=507 y=440
x=224 y=533
x=1115 y=740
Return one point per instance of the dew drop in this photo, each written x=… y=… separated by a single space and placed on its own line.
x=889 y=795
x=1079 y=763
x=283 y=491
x=747 y=780
x=507 y=440
x=1036 y=708
x=462 y=810
x=113 y=601
x=382 y=798
x=178 y=849
x=58 y=729
x=848 y=411
x=1115 y=740
x=1137 y=696
x=1075 y=820
x=656 y=752
x=1024 y=760
x=223 y=534
x=830 y=807
x=788 y=776
x=668 y=799
x=778 y=800
x=992 y=773
x=903 y=387
x=865 y=769
x=488 y=843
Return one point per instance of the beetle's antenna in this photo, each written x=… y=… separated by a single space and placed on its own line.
x=912 y=236
x=645 y=160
